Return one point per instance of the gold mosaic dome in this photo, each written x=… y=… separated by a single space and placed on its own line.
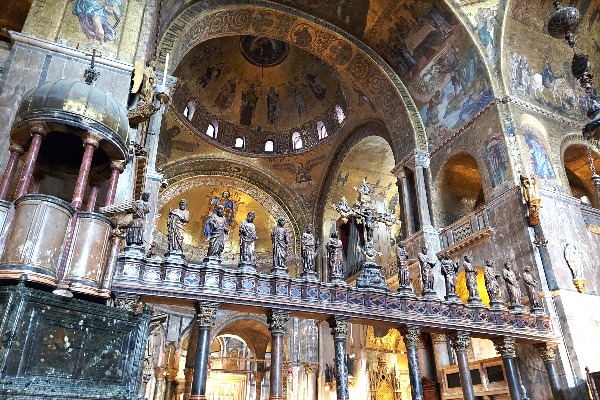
x=72 y=106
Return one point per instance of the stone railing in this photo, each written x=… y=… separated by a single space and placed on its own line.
x=470 y=229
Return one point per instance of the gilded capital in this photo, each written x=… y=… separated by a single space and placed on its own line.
x=339 y=327
x=277 y=320
x=411 y=335
x=505 y=346
x=206 y=314
x=438 y=338
x=547 y=352
x=460 y=341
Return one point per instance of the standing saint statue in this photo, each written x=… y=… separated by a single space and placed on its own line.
x=280 y=240
x=336 y=258
x=309 y=244
x=535 y=300
x=175 y=225
x=471 y=281
x=449 y=270
x=512 y=286
x=248 y=241
x=404 y=286
x=492 y=286
x=218 y=229
x=427 y=276
x=135 y=233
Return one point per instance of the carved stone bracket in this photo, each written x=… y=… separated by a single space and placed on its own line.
x=278 y=320
x=339 y=327
x=505 y=346
x=461 y=341
x=206 y=314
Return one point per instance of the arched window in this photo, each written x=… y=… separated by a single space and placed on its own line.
x=339 y=114
x=321 y=130
x=297 y=141
x=185 y=112
x=211 y=131
x=269 y=145
x=239 y=143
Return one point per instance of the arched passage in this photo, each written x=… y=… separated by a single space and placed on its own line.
x=579 y=174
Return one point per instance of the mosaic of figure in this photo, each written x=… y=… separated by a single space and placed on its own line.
x=299 y=99
x=491 y=281
x=273 y=106
x=218 y=229
x=225 y=97
x=248 y=240
x=175 y=227
x=539 y=156
x=449 y=269
x=494 y=154
x=511 y=281
x=335 y=256
x=135 y=233
x=93 y=18
x=426 y=266
x=228 y=207
x=211 y=75
x=316 y=85
x=535 y=300
x=471 y=279
x=309 y=245
x=280 y=240
x=248 y=106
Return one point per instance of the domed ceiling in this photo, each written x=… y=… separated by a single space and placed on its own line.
x=260 y=85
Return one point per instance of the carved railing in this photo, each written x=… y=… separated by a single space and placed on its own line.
x=467 y=231
x=591 y=216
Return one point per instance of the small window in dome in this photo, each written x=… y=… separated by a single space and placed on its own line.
x=239 y=142
x=339 y=114
x=211 y=131
x=269 y=145
x=321 y=130
x=185 y=112
x=296 y=141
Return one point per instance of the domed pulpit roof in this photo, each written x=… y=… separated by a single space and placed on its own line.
x=71 y=106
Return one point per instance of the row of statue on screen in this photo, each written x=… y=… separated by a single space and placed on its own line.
x=218 y=229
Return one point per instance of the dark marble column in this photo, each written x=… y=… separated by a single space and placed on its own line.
x=116 y=167
x=277 y=320
x=205 y=318
x=411 y=334
x=406 y=201
x=339 y=330
x=549 y=358
x=16 y=152
x=37 y=134
x=461 y=343
x=506 y=348
x=90 y=144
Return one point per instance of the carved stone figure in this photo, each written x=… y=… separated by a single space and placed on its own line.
x=248 y=241
x=218 y=229
x=535 y=300
x=449 y=270
x=280 y=240
x=403 y=273
x=427 y=276
x=492 y=287
x=512 y=286
x=175 y=227
x=135 y=233
x=145 y=84
x=573 y=257
x=471 y=280
x=336 y=259
x=309 y=245
x=344 y=209
x=191 y=108
x=530 y=194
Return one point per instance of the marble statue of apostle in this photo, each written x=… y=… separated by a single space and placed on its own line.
x=491 y=276
x=309 y=245
x=280 y=240
x=402 y=261
x=175 y=226
x=531 y=287
x=512 y=285
x=218 y=230
x=135 y=233
x=248 y=240
x=471 y=278
x=449 y=270
x=334 y=252
x=426 y=266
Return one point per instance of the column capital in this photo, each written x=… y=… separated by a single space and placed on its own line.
x=277 y=320
x=505 y=346
x=411 y=335
x=460 y=340
x=16 y=148
x=92 y=139
x=118 y=165
x=418 y=158
x=339 y=327
x=547 y=351
x=38 y=129
x=206 y=314
x=438 y=338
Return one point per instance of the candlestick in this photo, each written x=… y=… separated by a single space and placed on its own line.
x=164 y=82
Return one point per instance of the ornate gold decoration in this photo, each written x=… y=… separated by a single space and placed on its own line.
x=277 y=320
x=505 y=346
x=411 y=335
x=339 y=327
x=129 y=304
x=580 y=285
x=389 y=343
x=546 y=351
x=530 y=195
x=461 y=341
x=206 y=314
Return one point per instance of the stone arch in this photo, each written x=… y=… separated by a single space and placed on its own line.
x=458 y=188
x=576 y=172
x=350 y=57
x=258 y=321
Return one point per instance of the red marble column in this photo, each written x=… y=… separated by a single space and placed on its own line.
x=37 y=134
x=95 y=184
x=116 y=169
x=90 y=144
x=34 y=186
x=16 y=152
